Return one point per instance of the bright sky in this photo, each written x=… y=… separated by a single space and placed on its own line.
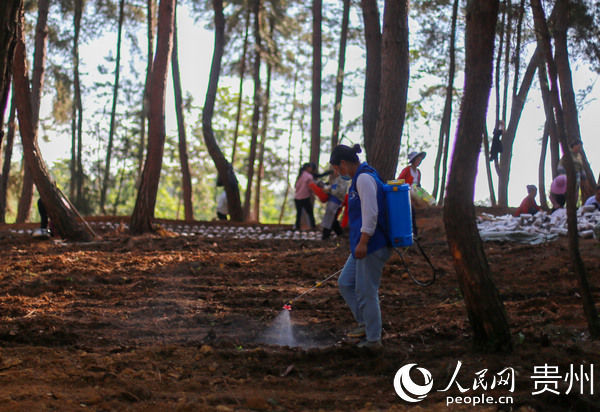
x=195 y=54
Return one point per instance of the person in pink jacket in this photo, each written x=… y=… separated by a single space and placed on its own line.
x=558 y=190
x=302 y=196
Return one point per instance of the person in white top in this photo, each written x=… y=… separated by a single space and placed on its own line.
x=411 y=173
x=369 y=245
x=412 y=176
x=594 y=200
x=222 y=206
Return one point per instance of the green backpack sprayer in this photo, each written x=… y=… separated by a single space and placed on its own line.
x=397 y=209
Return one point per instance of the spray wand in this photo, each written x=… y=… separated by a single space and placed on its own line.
x=288 y=304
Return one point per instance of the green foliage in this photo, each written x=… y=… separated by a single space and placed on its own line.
x=430 y=24
x=430 y=40
x=288 y=49
x=60 y=172
x=62 y=102
x=584 y=18
x=285 y=50
x=203 y=171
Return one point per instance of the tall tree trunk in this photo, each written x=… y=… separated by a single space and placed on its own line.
x=339 y=79
x=315 y=122
x=39 y=59
x=373 y=72
x=72 y=167
x=444 y=134
x=9 y=21
x=77 y=121
x=497 y=70
x=554 y=154
x=256 y=110
x=542 y=167
x=143 y=212
x=8 y=149
x=224 y=168
x=145 y=114
x=302 y=126
x=508 y=137
x=484 y=307
x=550 y=123
x=543 y=39
x=39 y=63
x=113 y=112
x=517 y=54
x=517 y=68
x=498 y=65
x=65 y=218
x=186 y=178
x=444 y=168
x=238 y=114
x=488 y=168
x=567 y=94
x=117 y=201
x=507 y=44
x=288 y=164
x=393 y=89
x=8 y=38
x=79 y=197
x=263 y=139
x=261 y=150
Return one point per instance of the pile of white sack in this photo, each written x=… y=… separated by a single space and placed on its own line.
x=539 y=228
x=257 y=232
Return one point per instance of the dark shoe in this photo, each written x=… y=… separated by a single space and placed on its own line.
x=41 y=233
x=357 y=333
x=337 y=228
x=371 y=345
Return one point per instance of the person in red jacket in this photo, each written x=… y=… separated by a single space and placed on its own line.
x=528 y=204
x=411 y=173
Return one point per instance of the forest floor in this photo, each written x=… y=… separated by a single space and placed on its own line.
x=167 y=322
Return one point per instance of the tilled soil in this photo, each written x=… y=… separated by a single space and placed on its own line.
x=176 y=322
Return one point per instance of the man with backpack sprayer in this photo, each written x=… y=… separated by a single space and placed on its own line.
x=369 y=246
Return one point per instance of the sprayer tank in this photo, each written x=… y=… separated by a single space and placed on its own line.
x=399 y=220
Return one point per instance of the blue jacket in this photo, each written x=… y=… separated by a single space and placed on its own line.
x=379 y=239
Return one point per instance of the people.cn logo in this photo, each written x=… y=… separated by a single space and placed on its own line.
x=407 y=389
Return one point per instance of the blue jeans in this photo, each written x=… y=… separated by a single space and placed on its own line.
x=359 y=286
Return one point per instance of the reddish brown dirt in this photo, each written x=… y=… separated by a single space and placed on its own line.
x=172 y=323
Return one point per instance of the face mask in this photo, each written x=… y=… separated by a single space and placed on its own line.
x=345 y=177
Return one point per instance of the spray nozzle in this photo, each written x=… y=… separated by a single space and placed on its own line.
x=287 y=306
